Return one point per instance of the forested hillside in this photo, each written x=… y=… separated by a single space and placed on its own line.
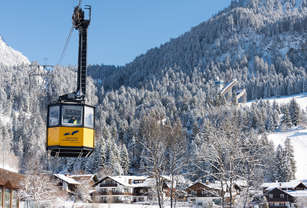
x=262 y=44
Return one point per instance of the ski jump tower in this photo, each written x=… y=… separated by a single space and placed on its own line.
x=228 y=88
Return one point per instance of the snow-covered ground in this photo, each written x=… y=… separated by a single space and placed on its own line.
x=11 y=57
x=8 y=161
x=301 y=99
x=123 y=206
x=4 y=120
x=68 y=204
x=297 y=136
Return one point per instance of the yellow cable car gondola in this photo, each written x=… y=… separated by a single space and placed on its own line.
x=71 y=122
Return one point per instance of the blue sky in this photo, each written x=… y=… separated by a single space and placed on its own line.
x=120 y=29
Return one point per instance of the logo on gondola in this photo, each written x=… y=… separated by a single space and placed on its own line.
x=73 y=133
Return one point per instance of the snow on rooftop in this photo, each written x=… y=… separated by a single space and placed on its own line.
x=299 y=193
x=137 y=181
x=67 y=179
x=290 y=184
x=85 y=175
x=9 y=161
x=124 y=180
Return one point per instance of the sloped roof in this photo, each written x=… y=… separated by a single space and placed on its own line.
x=124 y=180
x=281 y=185
x=299 y=193
x=214 y=186
x=295 y=194
x=67 y=179
x=10 y=179
x=147 y=181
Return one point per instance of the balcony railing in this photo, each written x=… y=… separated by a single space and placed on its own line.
x=107 y=185
x=106 y=193
x=114 y=193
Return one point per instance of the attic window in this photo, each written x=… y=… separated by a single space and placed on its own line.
x=282 y=196
x=271 y=196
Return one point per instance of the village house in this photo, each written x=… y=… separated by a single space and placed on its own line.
x=200 y=189
x=10 y=182
x=203 y=192
x=75 y=184
x=66 y=183
x=127 y=189
x=282 y=195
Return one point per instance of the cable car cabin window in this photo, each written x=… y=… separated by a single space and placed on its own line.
x=54 y=115
x=72 y=115
x=89 y=117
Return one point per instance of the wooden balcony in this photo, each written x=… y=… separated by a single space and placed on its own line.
x=119 y=193
x=107 y=185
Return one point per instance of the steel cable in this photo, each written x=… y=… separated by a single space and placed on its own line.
x=66 y=45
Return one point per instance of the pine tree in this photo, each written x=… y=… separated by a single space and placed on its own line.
x=289 y=153
x=124 y=159
x=284 y=166
x=294 y=111
x=279 y=165
x=286 y=119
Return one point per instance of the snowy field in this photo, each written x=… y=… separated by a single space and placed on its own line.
x=113 y=205
x=301 y=99
x=297 y=136
x=122 y=206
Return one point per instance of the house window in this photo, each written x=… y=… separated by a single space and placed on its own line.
x=271 y=196
x=282 y=196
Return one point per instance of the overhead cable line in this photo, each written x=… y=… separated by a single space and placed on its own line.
x=66 y=45
x=67 y=40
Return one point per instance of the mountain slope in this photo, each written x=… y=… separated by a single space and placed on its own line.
x=175 y=81
x=258 y=42
x=11 y=57
x=297 y=136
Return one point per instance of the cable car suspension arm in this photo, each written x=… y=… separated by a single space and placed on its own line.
x=81 y=24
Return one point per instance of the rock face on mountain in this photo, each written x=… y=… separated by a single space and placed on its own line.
x=11 y=57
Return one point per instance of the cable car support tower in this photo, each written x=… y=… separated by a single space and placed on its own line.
x=71 y=122
x=81 y=24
